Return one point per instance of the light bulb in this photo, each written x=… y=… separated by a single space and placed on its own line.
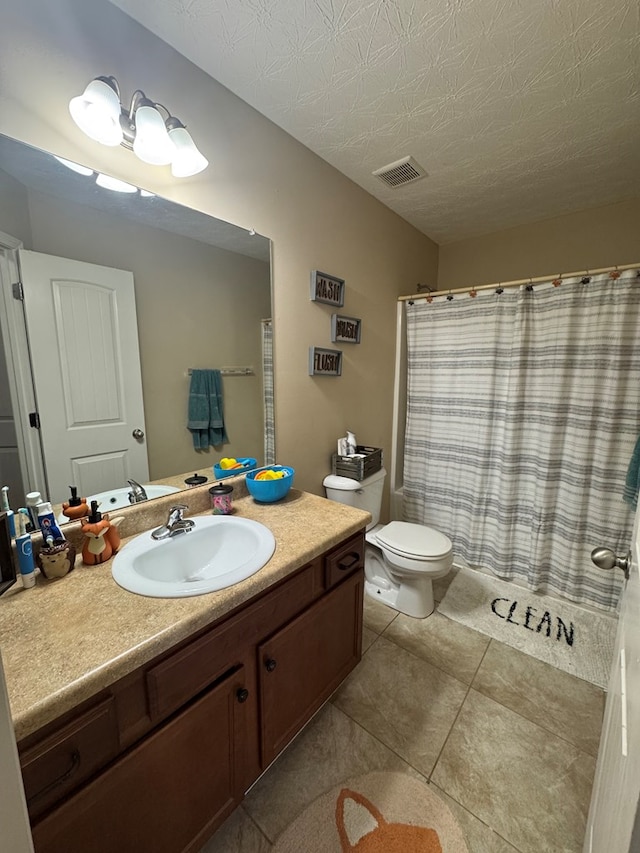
x=75 y=167
x=97 y=112
x=152 y=144
x=187 y=160
x=109 y=183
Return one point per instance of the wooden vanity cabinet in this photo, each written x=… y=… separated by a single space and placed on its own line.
x=160 y=759
x=302 y=664
x=167 y=794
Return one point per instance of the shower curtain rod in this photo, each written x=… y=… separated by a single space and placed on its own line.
x=518 y=282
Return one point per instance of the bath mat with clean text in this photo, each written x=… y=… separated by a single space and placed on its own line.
x=376 y=813
x=557 y=632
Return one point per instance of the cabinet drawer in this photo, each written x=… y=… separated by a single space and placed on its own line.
x=67 y=757
x=344 y=560
x=187 y=672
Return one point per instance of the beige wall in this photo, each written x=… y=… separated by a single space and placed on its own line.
x=259 y=177
x=14 y=209
x=197 y=306
x=589 y=239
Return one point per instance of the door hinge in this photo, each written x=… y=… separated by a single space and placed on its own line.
x=18 y=291
x=34 y=420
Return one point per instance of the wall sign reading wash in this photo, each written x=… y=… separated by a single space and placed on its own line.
x=325 y=362
x=327 y=288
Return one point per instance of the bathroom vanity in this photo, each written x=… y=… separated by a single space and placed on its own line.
x=153 y=740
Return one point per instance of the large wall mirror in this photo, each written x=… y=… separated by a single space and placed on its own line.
x=201 y=300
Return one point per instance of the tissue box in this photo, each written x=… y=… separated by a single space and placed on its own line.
x=358 y=468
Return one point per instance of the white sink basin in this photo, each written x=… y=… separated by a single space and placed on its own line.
x=218 y=552
x=119 y=498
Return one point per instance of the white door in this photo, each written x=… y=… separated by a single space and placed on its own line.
x=83 y=338
x=613 y=814
x=10 y=474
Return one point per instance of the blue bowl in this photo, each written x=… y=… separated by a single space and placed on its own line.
x=248 y=464
x=268 y=491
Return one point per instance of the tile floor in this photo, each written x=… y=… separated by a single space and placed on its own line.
x=509 y=742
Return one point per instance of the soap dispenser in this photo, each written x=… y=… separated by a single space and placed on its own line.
x=75 y=507
x=101 y=537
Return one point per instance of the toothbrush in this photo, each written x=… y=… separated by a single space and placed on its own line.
x=8 y=510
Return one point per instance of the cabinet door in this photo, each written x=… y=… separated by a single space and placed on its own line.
x=168 y=794
x=302 y=664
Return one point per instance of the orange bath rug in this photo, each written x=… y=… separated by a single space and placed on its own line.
x=376 y=813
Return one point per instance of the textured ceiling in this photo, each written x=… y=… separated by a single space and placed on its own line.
x=519 y=110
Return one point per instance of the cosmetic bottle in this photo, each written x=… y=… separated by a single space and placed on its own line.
x=33 y=499
x=75 y=507
x=47 y=522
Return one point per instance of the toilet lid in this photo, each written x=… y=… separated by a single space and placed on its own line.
x=414 y=540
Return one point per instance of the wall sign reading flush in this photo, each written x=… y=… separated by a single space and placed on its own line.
x=325 y=362
x=327 y=288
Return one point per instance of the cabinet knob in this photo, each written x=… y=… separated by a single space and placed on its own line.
x=345 y=565
x=270 y=664
x=242 y=694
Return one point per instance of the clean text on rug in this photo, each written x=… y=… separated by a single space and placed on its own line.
x=532 y=622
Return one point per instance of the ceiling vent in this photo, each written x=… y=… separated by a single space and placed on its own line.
x=401 y=172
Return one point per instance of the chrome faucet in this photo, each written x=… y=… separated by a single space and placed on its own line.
x=137 y=493
x=175 y=523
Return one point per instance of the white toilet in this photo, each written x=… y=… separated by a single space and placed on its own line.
x=401 y=559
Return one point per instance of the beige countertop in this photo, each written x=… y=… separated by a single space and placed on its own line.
x=65 y=640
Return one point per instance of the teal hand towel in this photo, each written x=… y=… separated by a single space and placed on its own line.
x=205 y=417
x=632 y=482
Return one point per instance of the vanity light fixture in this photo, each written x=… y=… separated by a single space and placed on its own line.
x=115 y=185
x=104 y=181
x=142 y=127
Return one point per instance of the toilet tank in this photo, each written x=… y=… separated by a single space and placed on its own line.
x=363 y=494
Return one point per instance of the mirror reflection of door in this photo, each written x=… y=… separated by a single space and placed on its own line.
x=83 y=340
x=9 y=458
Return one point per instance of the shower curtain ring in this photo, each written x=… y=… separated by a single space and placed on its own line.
x=449 y=296
x=529 y=287
x=473 y=293
x=614 y=274
x=557 y=281
x=586 y=278
x=499 y=289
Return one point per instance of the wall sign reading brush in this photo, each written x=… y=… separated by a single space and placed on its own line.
x=345 y=330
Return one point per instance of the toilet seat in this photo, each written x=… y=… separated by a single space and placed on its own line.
x=414 y=541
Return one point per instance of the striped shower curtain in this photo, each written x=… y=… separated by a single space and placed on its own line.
x=522 y=415
x=267 y=393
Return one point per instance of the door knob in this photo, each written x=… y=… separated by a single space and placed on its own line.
x=138 y=434
x=605 y=558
